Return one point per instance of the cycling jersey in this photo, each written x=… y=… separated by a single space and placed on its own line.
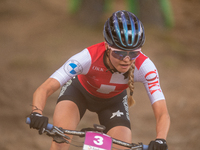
x=89 y=67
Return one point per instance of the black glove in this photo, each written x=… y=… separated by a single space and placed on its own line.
x=158 y=144
x=38 y=122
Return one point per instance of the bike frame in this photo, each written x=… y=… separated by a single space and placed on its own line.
x=97 y=137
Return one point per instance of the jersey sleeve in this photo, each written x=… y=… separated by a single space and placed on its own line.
x=78 y=64
x=148 y=75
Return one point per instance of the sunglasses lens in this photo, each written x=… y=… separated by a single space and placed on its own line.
x=119 y=54
x=122 y=54
x=133 y=55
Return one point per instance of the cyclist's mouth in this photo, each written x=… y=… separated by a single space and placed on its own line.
x=124 y=65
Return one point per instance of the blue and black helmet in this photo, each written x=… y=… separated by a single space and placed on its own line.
x=123 y=30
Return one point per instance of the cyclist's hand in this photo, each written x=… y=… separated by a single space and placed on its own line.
x=38 y=122
x=158 y=144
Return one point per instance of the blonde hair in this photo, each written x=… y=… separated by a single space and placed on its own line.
x=131 y=101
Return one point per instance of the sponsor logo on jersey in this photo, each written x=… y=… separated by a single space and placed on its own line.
x=96 y=68
x=73 y=67
x=153 y=81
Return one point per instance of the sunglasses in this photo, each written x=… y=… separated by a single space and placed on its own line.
x=121 y=55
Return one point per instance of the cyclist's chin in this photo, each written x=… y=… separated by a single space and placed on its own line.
x=123 y=69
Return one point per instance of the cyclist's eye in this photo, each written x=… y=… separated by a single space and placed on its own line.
x=134 y=54
x=121 y=53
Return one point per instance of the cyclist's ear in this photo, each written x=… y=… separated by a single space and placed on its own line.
x=107 y=49
x=106 y=44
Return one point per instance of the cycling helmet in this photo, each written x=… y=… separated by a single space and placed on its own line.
x=123 y=30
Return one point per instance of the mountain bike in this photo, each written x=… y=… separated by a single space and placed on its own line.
x=94 y=138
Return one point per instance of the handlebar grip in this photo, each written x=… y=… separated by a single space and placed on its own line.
x=49 y=126
x=145 y=147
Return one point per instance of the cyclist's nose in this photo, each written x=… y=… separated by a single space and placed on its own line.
x=127 y=58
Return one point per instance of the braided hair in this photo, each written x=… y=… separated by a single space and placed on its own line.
x=131 y=101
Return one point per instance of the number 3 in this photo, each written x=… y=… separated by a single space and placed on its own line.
x=98 y=140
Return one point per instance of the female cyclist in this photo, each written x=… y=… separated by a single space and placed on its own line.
x=97 y=78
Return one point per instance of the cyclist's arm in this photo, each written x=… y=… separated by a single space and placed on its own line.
x=148 y=75
x=77 y=64
x=43 y=92
x=162 y=119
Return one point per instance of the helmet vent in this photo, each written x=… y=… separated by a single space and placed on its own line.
x=123 y=30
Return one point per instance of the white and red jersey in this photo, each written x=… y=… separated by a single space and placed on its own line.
x=88 y=66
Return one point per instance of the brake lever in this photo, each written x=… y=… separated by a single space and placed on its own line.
x=58 y=135
x=138 y=146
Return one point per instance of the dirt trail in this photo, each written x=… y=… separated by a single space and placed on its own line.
x=37 y=37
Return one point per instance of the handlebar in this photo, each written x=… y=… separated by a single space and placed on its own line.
x=81 y=133
x=49 y=126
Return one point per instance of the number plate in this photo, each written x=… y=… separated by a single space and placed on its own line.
x=97 y=141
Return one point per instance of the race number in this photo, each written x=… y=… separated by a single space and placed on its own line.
x=97 y=141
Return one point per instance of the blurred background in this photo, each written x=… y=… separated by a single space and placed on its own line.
x=37 y=37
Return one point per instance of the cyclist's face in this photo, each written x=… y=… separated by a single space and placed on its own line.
x=122 y=60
